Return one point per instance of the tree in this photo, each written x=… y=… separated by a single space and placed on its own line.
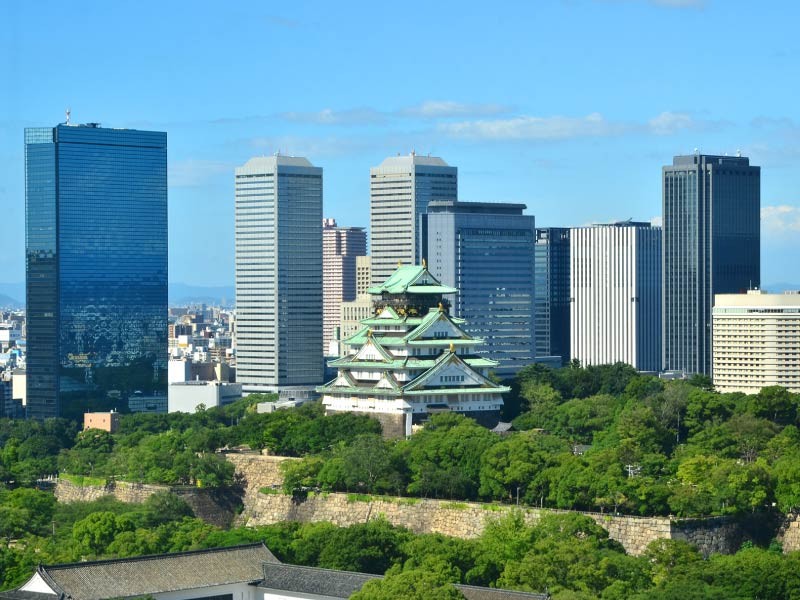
x=511 y=465
x=98 y=530
x=410 y=585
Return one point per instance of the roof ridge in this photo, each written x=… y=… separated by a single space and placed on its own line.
x=146 y=557
x=309 y=568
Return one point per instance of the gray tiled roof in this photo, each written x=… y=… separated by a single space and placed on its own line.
x=160 y=573
x=472 y=592
x=312 y=580
x=20 y=595
x=343 y=584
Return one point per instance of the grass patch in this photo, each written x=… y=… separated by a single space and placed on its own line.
x=407 y=501
x=492 y=507
x=270 y=491
x=83 y=480
x=359 y=498
x=454 y=505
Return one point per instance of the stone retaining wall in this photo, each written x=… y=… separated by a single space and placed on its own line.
x=217 y=507
x=468 y=519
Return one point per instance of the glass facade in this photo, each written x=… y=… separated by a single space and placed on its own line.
x=712 y=238
x=485 y=250
x=96 y=254
x=552 y=295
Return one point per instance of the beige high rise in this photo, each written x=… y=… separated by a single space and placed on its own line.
x=756 y=341
x=341 y=249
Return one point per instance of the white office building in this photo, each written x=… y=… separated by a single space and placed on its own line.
x=278 y=273
x=615 y=289
x=400 y=189
x=756 y=341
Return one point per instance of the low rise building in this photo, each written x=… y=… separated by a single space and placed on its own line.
x=187 y=396
x=107 y=421
x=756 y=341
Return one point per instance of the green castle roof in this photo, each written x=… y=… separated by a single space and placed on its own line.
x=411 y=279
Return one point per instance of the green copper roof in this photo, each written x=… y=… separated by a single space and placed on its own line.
x=411 y=279
x=432 y=317
x=412 y=362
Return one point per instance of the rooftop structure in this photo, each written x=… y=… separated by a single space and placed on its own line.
x=412 y=359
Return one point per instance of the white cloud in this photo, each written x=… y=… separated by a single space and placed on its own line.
x=668 y=123
x=526 y=127
x=533 y=128
x=780 y=219
x=442 y=109
x=328 y=116
x=680 y=3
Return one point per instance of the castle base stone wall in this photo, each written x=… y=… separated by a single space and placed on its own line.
x=468 y=519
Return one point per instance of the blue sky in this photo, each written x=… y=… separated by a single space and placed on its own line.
x=569 y=106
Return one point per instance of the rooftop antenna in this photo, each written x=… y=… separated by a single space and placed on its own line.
x=69 y=113
x=739 y=153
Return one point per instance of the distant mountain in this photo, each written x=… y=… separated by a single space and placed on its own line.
x=781 y=286
x=9 y=302
x=184 y=293
x=12 y=294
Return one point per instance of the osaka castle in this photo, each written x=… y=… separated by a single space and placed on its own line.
x=412 y=359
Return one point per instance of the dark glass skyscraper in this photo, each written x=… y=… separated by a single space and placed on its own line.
x=552 y=299
x=96 y=266
x=711 y=211
x=485 y=250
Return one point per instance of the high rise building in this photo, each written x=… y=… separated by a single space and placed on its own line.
x=341 y=247
x=363 y=274
x=400 y=190
x=96 y=265
x=551 y=292
x=615 y=282
x=412 y=359
x=278 y=273
x=756 y=341
x=485 y=251
x=711 y=213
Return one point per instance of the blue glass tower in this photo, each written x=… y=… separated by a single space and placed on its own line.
x=96 y=266
x=486 y=251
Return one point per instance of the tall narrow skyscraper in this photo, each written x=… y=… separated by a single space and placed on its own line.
x=485 y=251
x=400 y=190
x=712 y=239
x=278 y=274
x=615 y=282
x=340 y=248
x=551 y=285
x=96 y=266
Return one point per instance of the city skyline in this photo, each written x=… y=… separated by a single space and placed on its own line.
x=537 y=140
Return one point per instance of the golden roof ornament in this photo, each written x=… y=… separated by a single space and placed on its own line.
x=441 y=307
x=452 y=348
x=399 y=263
x=369 y=333
x=424 y=264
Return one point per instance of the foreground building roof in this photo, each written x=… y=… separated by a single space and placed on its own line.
x=152 y=575
x=248 y=571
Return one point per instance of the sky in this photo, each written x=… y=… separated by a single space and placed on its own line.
x=568 y=106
